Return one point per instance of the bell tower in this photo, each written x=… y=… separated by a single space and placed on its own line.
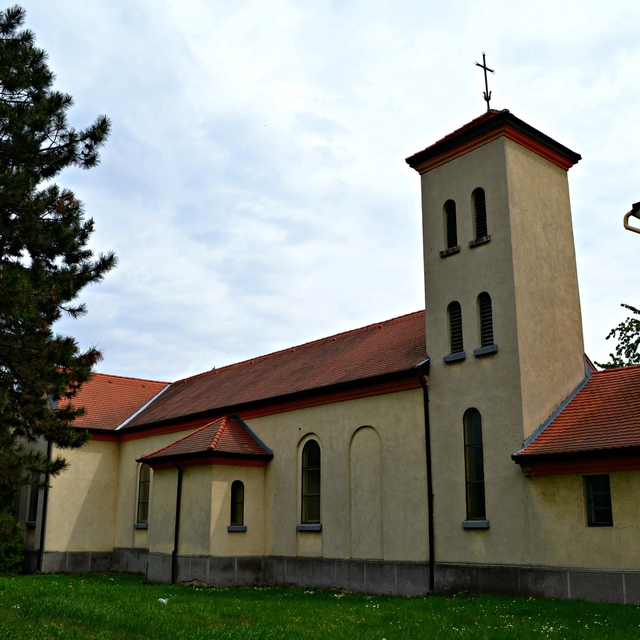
x=503 y=323
x=501 y=289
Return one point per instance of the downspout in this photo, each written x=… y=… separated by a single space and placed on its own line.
x=423 y=375
x=43 y=525
x=176 y=534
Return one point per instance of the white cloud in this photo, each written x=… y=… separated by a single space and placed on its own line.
x=254 y=186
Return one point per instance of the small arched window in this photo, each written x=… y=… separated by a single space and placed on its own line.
x=237 y=504
x=455 y=327
x=451 y=225
x=474 y=465
x=485 y=315
x=480 y=214
x=144 y=480
x=311 y=483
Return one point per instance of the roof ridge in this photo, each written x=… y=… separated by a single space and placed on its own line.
x=112 y=375
x=629 y=366
x=299 y=346
x=219 y=432
x=191 y=433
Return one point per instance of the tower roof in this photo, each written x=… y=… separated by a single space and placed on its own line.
x=486 y=128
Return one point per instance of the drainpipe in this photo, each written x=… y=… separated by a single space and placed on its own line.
x=43 y=524
x=174 y=554
x=423 y=375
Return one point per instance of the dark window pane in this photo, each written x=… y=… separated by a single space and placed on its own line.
x=452 y=227
x=237 y=503
x=311 y=483
x=480 y=207
x=455 y=327
x=474 y=465
x=486 y=319
x=599 y=510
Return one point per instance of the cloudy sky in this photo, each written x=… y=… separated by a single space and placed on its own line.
x=254 y=186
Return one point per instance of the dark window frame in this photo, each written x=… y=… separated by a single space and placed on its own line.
x=456 y=337
x=144 y=494
x=311 y=490
x=598 y=500
x=236 y=517
x=450 y=225
x=480 y=214
x=485 y=316
x=474 y=465
x=32 y=505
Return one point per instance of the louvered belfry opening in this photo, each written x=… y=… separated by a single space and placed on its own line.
x=455 y=327
x=480 y=208
x=451 y=224
x=486 y=319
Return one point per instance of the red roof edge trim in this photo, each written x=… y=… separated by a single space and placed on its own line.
x=219 y=432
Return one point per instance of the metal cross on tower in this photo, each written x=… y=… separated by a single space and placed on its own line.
x=487 y=93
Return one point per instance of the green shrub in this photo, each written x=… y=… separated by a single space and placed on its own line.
x=11 y=543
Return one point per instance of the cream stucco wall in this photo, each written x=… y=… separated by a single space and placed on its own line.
x=558 y=534
x=125 y=515
x=82 y=499
x=398 y=420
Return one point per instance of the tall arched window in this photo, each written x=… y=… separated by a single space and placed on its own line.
x=451 y=226
x=480 y=211
x=237 y=504
x=311 y=483
x=485 y=315
x=144 y=480
x=455 y=327
x=474 y=465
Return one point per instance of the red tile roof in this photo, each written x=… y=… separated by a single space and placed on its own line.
x=110 y=400
x=381 y=349
x=603 y=416
x=227 y=436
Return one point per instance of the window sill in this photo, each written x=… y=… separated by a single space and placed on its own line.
x=485 y=351
x=475 y=524
x=309 y=527
x=478 y=241
x=141 y=525
x=30 y=524
x=236 y=528
x=450 y=252
x=455 y=357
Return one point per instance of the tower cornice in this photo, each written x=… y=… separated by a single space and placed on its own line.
x=485 y=129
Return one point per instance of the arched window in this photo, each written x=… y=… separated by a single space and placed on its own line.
x=311 y=483
x=144 y=480
x=455 y=327
x=451 y=226
x=480 y=213
x=485 y=315
x=474 y=465
x=237 y=504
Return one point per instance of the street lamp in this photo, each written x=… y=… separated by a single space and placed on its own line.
x=635 y=212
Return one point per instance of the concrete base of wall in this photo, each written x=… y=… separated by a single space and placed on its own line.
x=364 y=576
x=121 y=560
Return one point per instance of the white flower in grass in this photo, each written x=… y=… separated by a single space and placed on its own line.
x=163 y=600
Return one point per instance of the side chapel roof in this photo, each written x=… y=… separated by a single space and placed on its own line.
x=226 y=437
x=382 y=349
x=602 y=416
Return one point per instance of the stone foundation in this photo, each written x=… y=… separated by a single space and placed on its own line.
x=363 y=576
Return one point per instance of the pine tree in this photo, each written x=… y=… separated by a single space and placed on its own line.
x=44 y=264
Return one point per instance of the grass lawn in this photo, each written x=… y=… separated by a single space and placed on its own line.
x=124 y=606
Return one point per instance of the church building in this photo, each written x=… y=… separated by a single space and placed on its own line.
x=470 y=446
